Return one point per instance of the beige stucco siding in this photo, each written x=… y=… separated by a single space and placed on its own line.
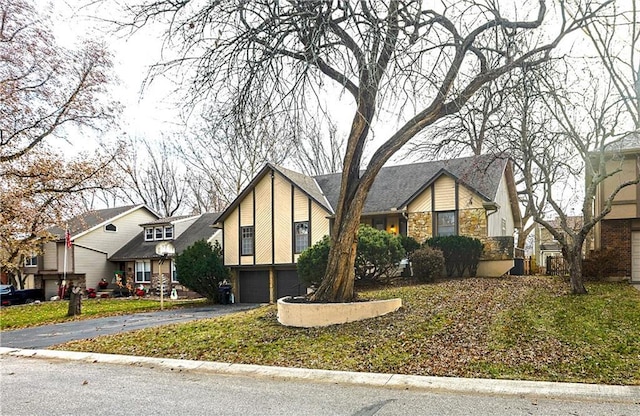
x=445 y=194
x=282 y=220
x=422 y=203
x=128 y=226
x=494 y=223
x=319 y=223
x=263 y=229
x=622 y=212
x=94 y=265
x=231 y=239
x=628 y=167
x=625 y=203
x=49 y=256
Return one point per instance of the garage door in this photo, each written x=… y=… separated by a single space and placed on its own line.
x=288 y=284
x=635 y=257
x=254 y=286
x=50 y=289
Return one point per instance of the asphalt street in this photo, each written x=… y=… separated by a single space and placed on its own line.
x=34 y=386
x=76 y=383
x=48 y=335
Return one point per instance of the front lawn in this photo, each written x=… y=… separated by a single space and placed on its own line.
x=22 y=316
x=511 y=328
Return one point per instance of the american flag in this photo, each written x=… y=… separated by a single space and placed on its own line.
x=67 y=238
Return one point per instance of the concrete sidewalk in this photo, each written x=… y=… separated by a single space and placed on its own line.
x=570 y=391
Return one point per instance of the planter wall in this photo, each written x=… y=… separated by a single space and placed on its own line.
x=307 y=315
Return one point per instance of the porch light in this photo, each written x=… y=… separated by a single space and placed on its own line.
x=392 y=229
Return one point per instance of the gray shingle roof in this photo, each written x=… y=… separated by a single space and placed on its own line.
x=631 y=142
x=90 y=219
x=396 y=186
x=167 y=220
x=138 y=248
x=307 y=184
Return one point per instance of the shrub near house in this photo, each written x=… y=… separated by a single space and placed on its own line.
x=200 y=268
x=461 y=253
x=377 y=256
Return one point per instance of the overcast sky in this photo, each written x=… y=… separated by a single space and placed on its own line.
x=145 y=115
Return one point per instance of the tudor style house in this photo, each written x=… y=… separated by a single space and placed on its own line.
x=282 y=212
x=93 y=237
x=140 y=265
x=620 y=228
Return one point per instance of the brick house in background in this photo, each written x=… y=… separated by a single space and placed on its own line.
x=620 y=229
x=282 y=212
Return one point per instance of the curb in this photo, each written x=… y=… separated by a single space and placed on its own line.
x=544 y=389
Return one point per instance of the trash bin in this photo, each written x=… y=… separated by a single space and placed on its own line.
x=518 y=267
x=225 y=294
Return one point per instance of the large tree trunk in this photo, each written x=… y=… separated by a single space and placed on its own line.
x=574 y=258
x=338 y=282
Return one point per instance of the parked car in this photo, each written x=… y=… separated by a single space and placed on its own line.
x=9 y=295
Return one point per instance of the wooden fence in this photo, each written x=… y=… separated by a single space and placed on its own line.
x=526 y=265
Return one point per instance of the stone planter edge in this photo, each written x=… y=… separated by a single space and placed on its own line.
x=308 y=315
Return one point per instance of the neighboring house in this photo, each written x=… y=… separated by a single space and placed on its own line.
x=545 y=244
x=620 y=229
x=281 y=213
x=141 y=266
x=94 y=237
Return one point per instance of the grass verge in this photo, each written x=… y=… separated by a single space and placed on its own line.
x=511 y=328
x=23 y=316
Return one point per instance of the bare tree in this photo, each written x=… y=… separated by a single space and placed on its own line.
x=154 y=176
x=231 y=146
x=394 y=56
x=43 y=89
x=567 y=163
x=45 y=86
x=476 y=129
x=317 y=153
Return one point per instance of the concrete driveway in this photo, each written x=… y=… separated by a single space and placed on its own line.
x=48 y=335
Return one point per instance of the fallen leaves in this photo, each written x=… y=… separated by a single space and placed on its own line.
x=514 y=327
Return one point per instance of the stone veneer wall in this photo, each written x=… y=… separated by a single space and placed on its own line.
x=471 y=223
x=419 y=225
x=616 y=235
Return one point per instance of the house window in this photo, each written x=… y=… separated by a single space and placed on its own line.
x=148 y=234
x=168 y=232
x=143 y=271
x=301 y=236
x=247 y=241
x=31 y=261
x=111 y=228
x=445 y=223
x=174 y=274
x=503 y=225
x=159 y=233
x=379 y=223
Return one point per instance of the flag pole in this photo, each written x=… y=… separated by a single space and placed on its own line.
x=67 y=244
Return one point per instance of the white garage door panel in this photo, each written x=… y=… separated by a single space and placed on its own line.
x=635 y=257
